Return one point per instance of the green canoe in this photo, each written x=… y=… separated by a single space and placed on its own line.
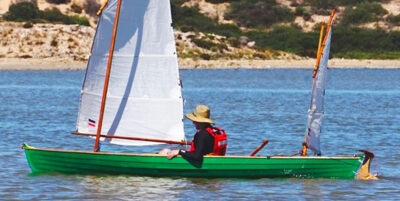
x=82 y=162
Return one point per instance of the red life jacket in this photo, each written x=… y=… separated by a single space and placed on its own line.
x=220 y=141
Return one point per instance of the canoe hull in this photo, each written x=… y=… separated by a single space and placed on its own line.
x=80 y=162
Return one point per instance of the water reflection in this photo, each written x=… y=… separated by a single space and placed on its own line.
x=129 y=188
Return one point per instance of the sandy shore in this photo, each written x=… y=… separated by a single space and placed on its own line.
x=67 y=64
x=41 y=64
x=303 y=63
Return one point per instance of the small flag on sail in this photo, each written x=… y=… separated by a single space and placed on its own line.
x=92 y=123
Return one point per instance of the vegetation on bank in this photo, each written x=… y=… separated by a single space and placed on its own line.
x=29 y=12
x=258 y=14
x=269 y=24
x=348 y=40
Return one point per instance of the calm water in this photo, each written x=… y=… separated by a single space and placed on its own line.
x=362 y=111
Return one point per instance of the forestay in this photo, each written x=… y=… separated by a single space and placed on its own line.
x=144 y=95
x=316 y=110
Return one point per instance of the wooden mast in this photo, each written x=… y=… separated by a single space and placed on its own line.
x=323 y=44
x=107 y=77
x=319 y=55
x=321 y=34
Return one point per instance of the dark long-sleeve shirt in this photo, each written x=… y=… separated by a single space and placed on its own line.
x=203 y=144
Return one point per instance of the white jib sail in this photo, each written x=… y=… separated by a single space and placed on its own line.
x=316 y=110
x=144 y=95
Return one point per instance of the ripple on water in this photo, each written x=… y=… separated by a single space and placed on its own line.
x=362 y=111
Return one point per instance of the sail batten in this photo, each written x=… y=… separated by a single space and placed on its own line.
x=144 y=97
x=316 y=109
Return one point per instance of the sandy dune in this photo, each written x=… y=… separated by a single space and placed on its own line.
x=66 y=47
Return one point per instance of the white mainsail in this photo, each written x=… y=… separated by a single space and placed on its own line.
x=144 y=97
x=316 y=110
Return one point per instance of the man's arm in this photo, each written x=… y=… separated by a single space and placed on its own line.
x=197 y=154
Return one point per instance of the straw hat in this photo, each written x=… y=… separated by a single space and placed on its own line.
x=201 y=114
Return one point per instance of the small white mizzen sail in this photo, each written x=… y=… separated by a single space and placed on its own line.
x=144 y=97
x=316 y=110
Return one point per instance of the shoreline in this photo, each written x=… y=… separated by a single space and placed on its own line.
x=17 y=64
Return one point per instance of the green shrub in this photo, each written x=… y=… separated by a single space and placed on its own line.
x=215 y=49
x=258 y=55
x=22 y=11
x=54 y=42
x=218 y=1
x=91 y=7
x=324 y=7
x=307 y=16
x=203 y=43
x=186 y=19
x=394 y=19
x=228 y=30
x=317 y=27
x=52 y=15
x=26 y=11
x=324 y=4
x=185 y=16
x=76 y=9
x=39 y=20
x=321 y=11
x=355 y=2
x=288 y=39
x=76 y=19
x=185 y=28
x=234 y=41
x=348 y=42
x=294 y=3
x=363 y=13
x=258 y=13
x=368 y=55
x=27 y=25
x=205 y=56
x=348 y=39
x=301 y=11
x=55 y=15
x=209 y=45
x=58 y=1
x=331 y=4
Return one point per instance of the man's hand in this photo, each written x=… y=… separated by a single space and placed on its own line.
x=173 y=153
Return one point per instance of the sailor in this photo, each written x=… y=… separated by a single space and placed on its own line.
x=207 y=140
